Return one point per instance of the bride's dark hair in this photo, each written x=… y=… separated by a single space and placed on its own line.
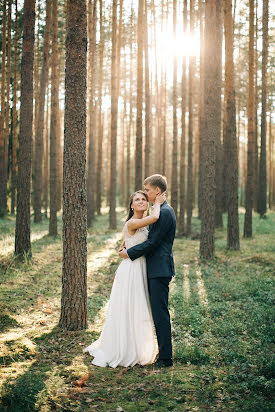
x=130 y=210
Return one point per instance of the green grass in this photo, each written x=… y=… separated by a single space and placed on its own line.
x=223 y=328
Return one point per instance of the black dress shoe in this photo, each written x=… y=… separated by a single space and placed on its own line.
x=164 y=363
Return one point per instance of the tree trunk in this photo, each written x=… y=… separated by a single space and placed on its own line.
x=74 y=278
x=211 y=130
x=229 y=138
x=114 y=104
x=22 y=229
x=53 y=127
x=138 y=175
x=46 y=159
x=7 y=106
x=129 y=131
x=255 y=152
x=92 y=112
x=148 y=106
x=121 y=186
x=218 y=112
x=59 y=159
x=262 y=172
x=41 y=110
x=201 y=101
x=182 y=147
x=270 y=141
x=190 y=130
x=3 y=171
x=174 y=180
x=251 y=132
x=14 y=113
x=100 y=122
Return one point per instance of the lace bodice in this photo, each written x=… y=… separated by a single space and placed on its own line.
x=132 y=240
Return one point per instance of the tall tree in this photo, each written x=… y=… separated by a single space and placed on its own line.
x=148 y=106
x=251 y=131
x=40 y=122
x=7 y=107
x=53 y=126
x=92 y=112
x=22 y=228
x=114 y=105
x=14 y=114
x=74 y=278
x=201 y=100
x=100 y=121
x=262 y=187
x=229 y=138
x=211 y=130
x=189 y=199
x=174 y=181
x=130 y=98
x=218 y=111
x=46 y=160
x=256 y=90
x=182 y=145
x=3 y=171
x=138 y=158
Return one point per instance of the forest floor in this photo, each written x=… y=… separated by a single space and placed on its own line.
x=223 y=328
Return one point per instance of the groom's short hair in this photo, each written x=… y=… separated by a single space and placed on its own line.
x=157 y=181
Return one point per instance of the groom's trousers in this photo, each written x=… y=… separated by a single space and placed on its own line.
x=158 y=291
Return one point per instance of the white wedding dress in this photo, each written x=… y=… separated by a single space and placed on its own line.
x=127 y=337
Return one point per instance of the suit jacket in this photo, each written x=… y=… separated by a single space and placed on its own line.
x=158 y=247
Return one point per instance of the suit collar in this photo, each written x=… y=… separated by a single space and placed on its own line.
x=164 y=203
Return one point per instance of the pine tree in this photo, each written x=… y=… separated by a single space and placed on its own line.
x=22 y=229
x=262 y=197
x=74 y=278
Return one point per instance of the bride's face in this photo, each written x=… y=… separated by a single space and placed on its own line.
x=139 y=203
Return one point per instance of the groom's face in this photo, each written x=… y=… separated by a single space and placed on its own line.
x=152 y=192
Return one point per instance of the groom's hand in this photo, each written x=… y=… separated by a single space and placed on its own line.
x=123 y=253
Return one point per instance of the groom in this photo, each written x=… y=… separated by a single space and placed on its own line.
x=160 y=265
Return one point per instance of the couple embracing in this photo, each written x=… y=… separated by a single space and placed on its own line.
x=139 y=298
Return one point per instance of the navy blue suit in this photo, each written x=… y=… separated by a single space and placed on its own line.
x=160 y=268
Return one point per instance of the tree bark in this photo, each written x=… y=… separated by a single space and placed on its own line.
x=74 y=278
x=201 y=101
x=3 y=171
x=46 y=160
x=174 y=180
x=183 y=126
x=22 y=229
x=251 y=132
x=148 y=105
x=211 y=131
x=138 y=162
x=255 y=152
x=7 y=106
x=130 y=124
x=41 y=110
x=218 y=111
x=114 y=105
x=229 y=139
x=14 y=113
x=92 y=112
x=262 y=198
x=100 y=122
x=190 y=131
x=53 y=126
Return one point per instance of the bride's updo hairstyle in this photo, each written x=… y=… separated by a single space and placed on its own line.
x=130 y=210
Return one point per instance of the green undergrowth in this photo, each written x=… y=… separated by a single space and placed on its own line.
x=223 y=328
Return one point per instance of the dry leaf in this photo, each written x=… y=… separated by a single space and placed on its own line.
x=82 y=381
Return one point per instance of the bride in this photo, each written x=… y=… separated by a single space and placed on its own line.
x=127 y=337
